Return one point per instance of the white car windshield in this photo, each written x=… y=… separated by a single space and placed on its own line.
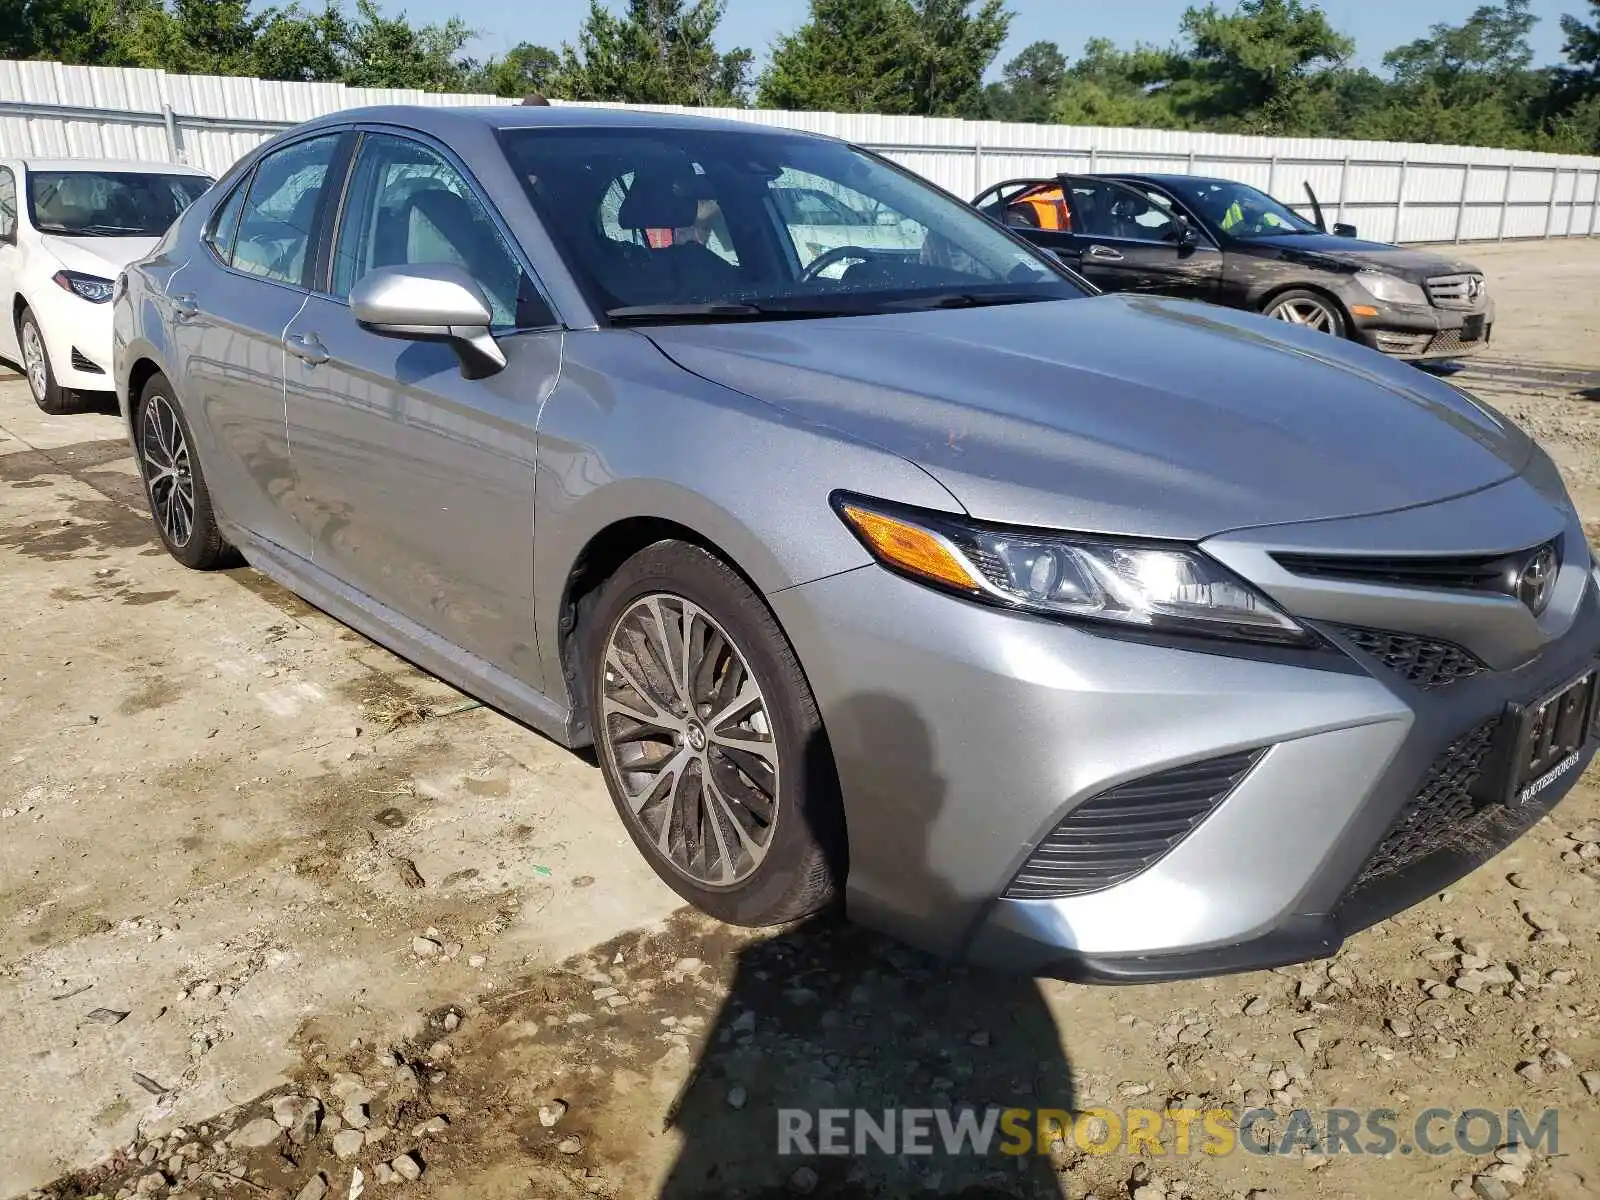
x=109 y=203
x=727 y=224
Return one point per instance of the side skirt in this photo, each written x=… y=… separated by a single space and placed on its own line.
x=405 y=637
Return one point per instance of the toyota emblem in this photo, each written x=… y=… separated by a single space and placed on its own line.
x=1537 y=579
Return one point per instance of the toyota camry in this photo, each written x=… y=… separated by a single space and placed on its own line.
x=1105 y=636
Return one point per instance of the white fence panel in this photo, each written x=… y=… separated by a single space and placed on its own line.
x=1389 y=190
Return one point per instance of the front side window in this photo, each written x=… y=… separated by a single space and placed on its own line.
x=408 y=206
x=1110 y=210
x=1240 y=210
x=110 y=203
x=768 y=222
x=280 y=210
x=8 y=205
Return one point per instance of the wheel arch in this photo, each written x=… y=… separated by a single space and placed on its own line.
x=1266 y=299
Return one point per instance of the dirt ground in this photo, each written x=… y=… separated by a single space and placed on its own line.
x=282 y=916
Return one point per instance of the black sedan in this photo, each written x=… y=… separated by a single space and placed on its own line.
x=1226 y=242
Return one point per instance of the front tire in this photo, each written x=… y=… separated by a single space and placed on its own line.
x=710 y=740
x=174 y=484
x=1308 y=309
x=49 y=395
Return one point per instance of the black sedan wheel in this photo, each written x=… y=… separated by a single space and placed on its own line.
x=710 y=740
x=1308 y=309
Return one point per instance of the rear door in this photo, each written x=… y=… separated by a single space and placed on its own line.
x=416 y=482
x=228 y=311
x=1129 y=242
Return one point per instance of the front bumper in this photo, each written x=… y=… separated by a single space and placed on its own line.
x=965 y=735
x=77 y=336
x=1420 y=334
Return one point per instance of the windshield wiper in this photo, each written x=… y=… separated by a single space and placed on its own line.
x=636 y=314
x=963 y=300
x=92 y=230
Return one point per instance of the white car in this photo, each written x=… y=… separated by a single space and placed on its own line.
x=67 y=228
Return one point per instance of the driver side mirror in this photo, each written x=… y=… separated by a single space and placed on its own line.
x=431 y=303
x=1344 y=230
x=1184 y=233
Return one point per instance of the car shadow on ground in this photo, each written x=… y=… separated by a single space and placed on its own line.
x=833 y=1041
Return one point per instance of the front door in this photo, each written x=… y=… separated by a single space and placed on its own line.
x=229 y=310
x=10 y=261
x=417 y=484
x=1127 y=242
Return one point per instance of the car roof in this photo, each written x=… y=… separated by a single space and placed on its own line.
x=109 y=164
x=441 y=120
x=1164 y=180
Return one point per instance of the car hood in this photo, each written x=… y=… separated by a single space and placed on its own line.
x=1121 y=414
x=103 y=256
x=1350 y=252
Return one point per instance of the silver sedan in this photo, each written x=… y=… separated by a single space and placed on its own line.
x=882 y=562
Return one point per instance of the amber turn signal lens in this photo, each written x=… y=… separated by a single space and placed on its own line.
x=909 y=548
x=1363 y=310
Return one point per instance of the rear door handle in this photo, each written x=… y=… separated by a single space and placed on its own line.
x=1105 y=254
x=306 y=347
x=185 y=306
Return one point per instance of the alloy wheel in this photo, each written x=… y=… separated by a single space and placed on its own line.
x=33 y=360
x=167 y=471
x=687 y=730
x=1303 y=310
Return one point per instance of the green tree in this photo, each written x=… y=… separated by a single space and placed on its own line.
x=1259 y=69
x=1109 y=86
x=848 y=57
x=524 y=68
x=925 y=57
x=657 y=52
x=389 y=52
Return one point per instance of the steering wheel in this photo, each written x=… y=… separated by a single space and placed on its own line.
x=838 y=254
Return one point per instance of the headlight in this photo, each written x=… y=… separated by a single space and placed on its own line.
x=89 y=287
x=1122 y=582
x=1391 y=289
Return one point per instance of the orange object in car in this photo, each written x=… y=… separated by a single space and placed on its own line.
x=1043 y=207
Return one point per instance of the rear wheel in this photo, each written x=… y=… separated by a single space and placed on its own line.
x=174 y=483
x=1308 y=309
x=49 y=395
x=710 y=740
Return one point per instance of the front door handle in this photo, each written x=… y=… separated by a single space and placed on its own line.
x=306 y=347
x=1105 y=254
x=184 y=306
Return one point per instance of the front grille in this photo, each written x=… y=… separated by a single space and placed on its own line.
x=1115 y=835
x=1456 y=291
x=1463 y=573
x=1423 y=661
x=82 y=362
x=1442 y=816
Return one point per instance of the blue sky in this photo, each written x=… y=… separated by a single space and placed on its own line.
x=1377 y=25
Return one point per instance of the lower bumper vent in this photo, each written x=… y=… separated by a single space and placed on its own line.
x=1419 y=660
x=82 y=362
x=1115 y=835
x=1442 y=816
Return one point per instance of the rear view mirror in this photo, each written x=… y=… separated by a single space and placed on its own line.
x=1344 y=230
x=432 y=303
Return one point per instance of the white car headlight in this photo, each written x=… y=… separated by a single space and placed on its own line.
x=87 y=287
x=1128 y=582
x=1391 y=289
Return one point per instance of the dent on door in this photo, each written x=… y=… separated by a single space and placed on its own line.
x=416 y=483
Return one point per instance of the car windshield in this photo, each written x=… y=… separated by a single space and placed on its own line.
x=1241 y=211
x=684 y=224
x=109 y=203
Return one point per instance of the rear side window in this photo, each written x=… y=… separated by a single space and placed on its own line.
x=278 y=219
x=225 y=224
